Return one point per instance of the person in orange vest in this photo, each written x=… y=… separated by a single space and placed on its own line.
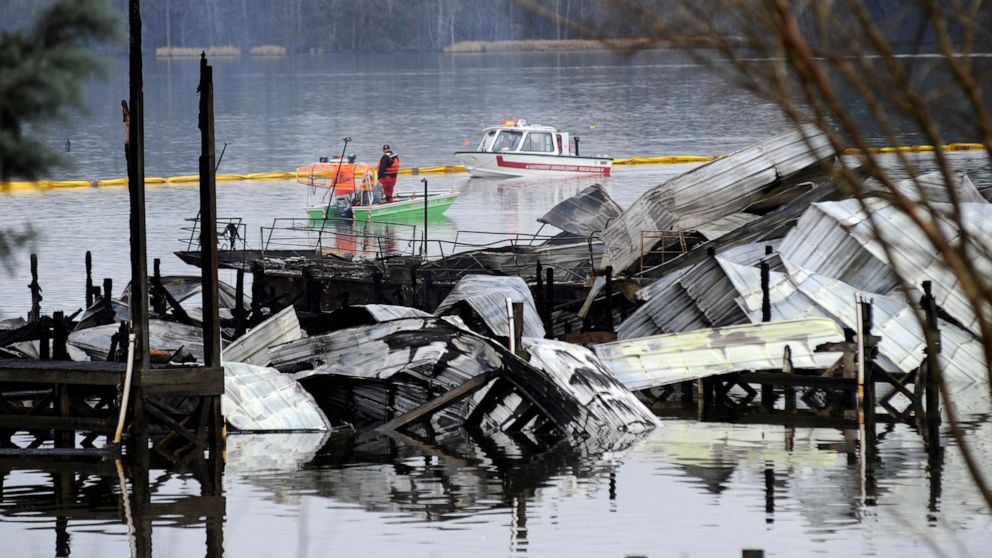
x=389 y=166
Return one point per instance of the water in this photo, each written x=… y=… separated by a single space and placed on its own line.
x=689 y=489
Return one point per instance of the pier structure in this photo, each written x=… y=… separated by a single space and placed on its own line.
x=172 y=410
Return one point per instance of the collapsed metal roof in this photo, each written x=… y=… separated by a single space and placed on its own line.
x=666 y=359
x=801 y=293
x=383 y=371
x=605 y=404
x=841 y=240
x=584 y=214
x=692 y=298
x=487 y=295
x=726 y=185
x=772 y=226
x=257 y=398
x=253 y=346
x=162 y=336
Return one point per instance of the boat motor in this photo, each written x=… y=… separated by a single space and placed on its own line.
x=323 y=159
x=576 y=146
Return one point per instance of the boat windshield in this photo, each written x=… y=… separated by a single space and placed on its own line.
x=508 y=141
x=487 y=141
x=539 y=142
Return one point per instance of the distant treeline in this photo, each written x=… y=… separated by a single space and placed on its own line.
x=414 y=25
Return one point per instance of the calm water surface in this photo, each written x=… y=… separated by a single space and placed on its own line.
x=688 y=489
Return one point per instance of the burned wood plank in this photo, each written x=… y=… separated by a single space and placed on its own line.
x=451 y=396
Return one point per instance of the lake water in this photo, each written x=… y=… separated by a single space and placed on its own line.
x=688 y=489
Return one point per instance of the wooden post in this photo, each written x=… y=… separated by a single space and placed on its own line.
x=208 y=219
x=518 y=326
x=257 y=290
x=767 y=390
x=43 y=345
x=105 y=300
x=608 y=293
x=312 y=288
x=60 y=336
x=549 y=301
x=931 y=332
x=427 y=302
x=158 y=301
x=134 y=148
x=790 y=391
x=89 y=279
x=35 y=314
x=766 y=305
x=539 y=295
x=239 y=303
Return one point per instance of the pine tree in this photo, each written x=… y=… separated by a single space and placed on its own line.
x=41 y=73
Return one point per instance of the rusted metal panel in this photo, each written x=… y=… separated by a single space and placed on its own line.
x=584 y=214
x=486 y=295
x=257 y=398
x=666 y=359
x=727 y=185
x=253 y=347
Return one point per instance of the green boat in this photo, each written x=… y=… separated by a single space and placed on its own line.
x=406 y=205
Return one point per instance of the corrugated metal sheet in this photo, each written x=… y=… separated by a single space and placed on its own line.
x=767 y=229
x=724 y=225
x=386 y=312
x=258 y=398
x=605 y=404
x=931 y=186
x=838 y=239
x=666 y=359
x=410 y=345
x=727 y=185
x=376 y=372
x=487 y=294
x=253 y=347
x=802 y=294
x=962 y=358
x=162 y=336
x=701 y=297
x=584 y=214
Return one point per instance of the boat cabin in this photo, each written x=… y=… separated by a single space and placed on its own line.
x=517 y=136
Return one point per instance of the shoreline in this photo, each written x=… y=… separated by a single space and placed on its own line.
x=563 y=45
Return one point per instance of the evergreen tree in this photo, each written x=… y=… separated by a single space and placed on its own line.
x=41 y=72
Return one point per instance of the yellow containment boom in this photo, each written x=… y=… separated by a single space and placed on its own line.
x=352 y=176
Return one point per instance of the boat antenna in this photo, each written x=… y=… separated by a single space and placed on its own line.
x=334 y=186
x=423 y=248
x=340 y=162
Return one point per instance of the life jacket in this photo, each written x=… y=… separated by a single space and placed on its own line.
x=393 y=168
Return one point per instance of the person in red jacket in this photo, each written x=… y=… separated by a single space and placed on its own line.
x=389 y=166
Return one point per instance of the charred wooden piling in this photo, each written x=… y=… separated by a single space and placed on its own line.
x=55 y=399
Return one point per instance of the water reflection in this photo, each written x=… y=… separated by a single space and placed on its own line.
x=816 y=484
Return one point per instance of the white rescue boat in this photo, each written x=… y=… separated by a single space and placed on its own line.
x=516 y=148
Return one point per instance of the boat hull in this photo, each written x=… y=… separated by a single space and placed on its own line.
x=484 y=164
x=405 y=206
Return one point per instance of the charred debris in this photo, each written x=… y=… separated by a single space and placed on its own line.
x=749 y=285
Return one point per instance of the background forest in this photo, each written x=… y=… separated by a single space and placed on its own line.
x=302 y=26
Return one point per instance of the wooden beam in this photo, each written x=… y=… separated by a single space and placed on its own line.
x=208 y=218
x=451 y=396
